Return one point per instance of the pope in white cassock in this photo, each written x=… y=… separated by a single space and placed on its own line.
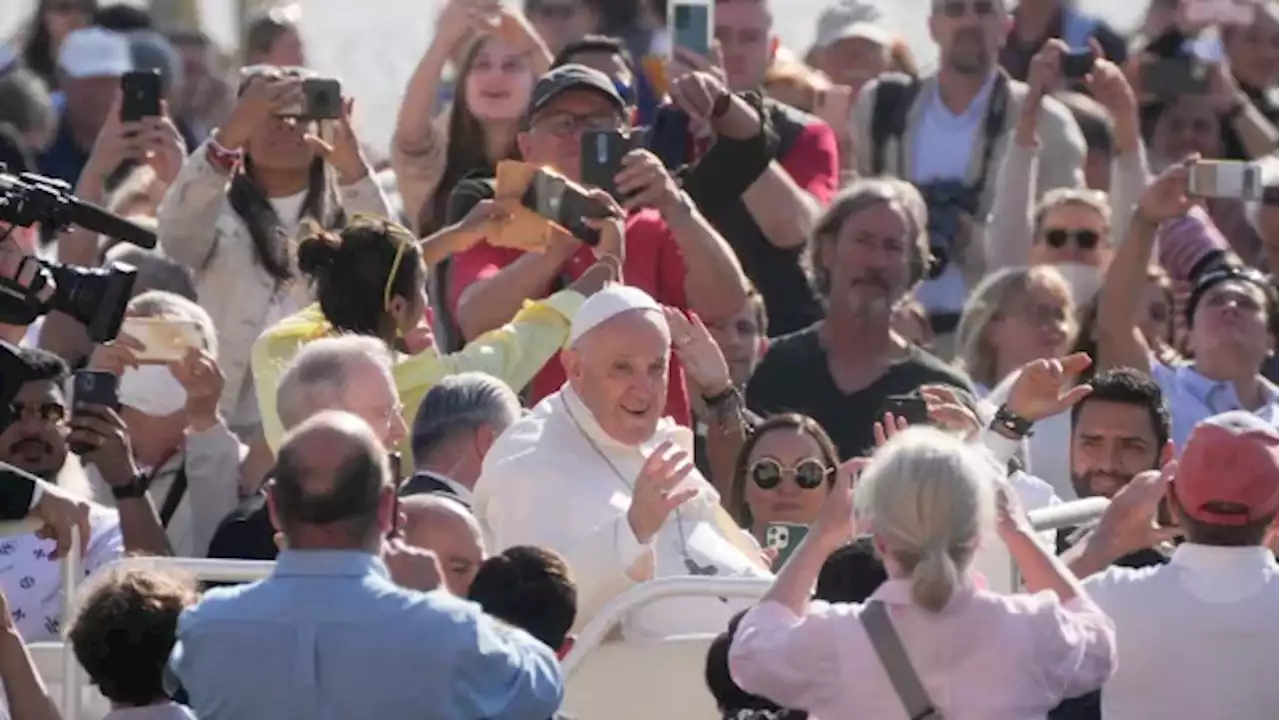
x=596 y=473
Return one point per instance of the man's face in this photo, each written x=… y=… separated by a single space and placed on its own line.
x=1232 y=314
x=969 y=33
x=854 y=61
x=619 y=369
x=435 y=524
x=741 y=340
x=560 y=22
x=1111 y=442
x=1187 y=126
x=36 y=441
x=867 y=261
x=89 y=100
x=554 y=138
x=371 y=394
x=743 y=28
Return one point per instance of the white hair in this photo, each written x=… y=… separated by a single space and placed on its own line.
x=317 y=377
x=929 y=497
x=162 y=304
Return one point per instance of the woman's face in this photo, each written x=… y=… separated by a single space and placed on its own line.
x=1157 y=315
x=787 y=478
x=499 y=82
x=279 y=145
x=854 y=62
x=1031 y=326
x=63 y=16
x=1187 y=126
x=1072 y=232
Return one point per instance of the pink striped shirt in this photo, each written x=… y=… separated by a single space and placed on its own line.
x=986 y=656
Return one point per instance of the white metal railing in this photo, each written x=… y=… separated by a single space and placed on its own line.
x=1069 y=514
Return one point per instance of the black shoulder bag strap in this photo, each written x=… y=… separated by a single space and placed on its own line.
x=895 y=95
x=992 y=129
x=176 y=492
x=888 y=646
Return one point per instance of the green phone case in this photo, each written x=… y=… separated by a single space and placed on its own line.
x=786 y=537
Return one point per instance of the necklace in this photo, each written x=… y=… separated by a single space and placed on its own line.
x=690 y=564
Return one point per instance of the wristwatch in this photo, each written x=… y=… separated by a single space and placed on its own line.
x=135 y=488
x=1010 y=423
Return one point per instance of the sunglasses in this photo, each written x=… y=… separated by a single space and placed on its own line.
x=809 y=474
x=50 y=412
x=955 y=10
x=1084 y=239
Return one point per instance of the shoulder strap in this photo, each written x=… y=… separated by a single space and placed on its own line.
x=888 y=647
x=993 y=128
x=895 y=94
x=176 y=492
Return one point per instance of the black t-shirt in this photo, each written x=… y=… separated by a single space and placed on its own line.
x=246 y=534
x=793 y=377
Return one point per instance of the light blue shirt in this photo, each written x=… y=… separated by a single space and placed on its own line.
x=944 y=145
x=1193 y=398
x=330 y=636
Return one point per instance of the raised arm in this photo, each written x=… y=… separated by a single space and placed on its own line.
x=1256 y=133
x=1129 y=175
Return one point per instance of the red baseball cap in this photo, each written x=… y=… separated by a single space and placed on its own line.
x=1229 y=472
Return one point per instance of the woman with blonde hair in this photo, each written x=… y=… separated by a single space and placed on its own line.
x=926 y=497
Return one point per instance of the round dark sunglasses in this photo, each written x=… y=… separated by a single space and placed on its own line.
x=1085 y=239
x=809 y=474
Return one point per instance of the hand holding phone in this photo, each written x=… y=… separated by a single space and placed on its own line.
x=161 y=340
x=1076 y=64
x=690 y=25
x=140 y=95
x=93 y=388
x=911 y=408
x=602 y=154
x=1226 y=179
x=784 y=538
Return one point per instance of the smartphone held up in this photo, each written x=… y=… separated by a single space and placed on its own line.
x=140 y=95
x=690 y=25
x=1229 y=179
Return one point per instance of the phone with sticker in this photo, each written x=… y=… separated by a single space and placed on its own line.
x=784 y=538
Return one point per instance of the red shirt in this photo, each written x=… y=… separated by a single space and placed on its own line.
x=653 y=264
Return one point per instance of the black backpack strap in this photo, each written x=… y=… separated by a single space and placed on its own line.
x=992 y=128
x=177 y=490
x=895 y=93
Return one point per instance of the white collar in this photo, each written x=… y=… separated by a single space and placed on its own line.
x=1213 y=557
x=462 y=491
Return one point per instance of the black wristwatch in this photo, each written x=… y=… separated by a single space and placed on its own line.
x=136 y=488
x=1011 y=423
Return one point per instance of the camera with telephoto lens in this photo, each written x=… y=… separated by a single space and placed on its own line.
x=948 y=202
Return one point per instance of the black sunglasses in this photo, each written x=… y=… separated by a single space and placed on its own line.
x=1086 y=239
x=809 y=474
x=956 y=8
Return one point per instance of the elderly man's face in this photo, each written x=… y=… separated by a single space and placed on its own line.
x=867 y=261
x=36 y=440
x=371 y=394
x=554 y=137
x=969 y=33
x=619 y=369
x=445 y=528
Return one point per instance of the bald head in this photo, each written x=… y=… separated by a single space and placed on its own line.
x=618 y=369
x=443 y=526
x=330 y=478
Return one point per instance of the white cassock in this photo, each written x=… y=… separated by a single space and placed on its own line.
x=556 y=480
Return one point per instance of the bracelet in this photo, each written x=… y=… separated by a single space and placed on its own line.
x=1011 y=423
x=136 y=488
x=721 y=397
x=223 y=158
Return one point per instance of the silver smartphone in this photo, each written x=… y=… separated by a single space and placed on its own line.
x=1226 y=179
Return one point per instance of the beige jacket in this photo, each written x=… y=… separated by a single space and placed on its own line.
x=1062 y=152
x=199 y=229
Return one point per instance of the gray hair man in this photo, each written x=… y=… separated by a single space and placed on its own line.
x=597 y=474
x=459 y=420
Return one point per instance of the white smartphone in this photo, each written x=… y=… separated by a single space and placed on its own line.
x=164 y=340
x=1226 y=179
x=690 y=25
x=1221 y=12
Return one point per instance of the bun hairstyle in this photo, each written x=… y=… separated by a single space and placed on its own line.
x=351 y=271
x=929 y=498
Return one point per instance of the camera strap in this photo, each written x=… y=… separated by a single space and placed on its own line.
x=992 y=128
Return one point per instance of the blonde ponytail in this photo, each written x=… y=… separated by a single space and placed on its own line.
x=934 y=579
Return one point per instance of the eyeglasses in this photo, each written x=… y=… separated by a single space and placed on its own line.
x=563 y=125
x=809 y=474
x=50 y=412
x=1059 y=238
x=955 y=9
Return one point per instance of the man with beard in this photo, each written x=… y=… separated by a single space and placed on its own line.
x=40 y=428
x=1119 y=430
x=944 y=134
x=867 y=253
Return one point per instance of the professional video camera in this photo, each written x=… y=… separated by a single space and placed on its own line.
x=96 y=297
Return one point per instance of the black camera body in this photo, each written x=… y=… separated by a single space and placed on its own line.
x=948 y=202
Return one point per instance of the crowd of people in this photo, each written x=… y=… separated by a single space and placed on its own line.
x=837 y=323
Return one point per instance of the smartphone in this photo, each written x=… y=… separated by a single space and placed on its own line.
x=1226 y=179
x=1220 y=12
x=834 y=105
x=164 y=340
x=321 y=100
x=690 y=26
x=908 y=407
x=602 y=153
x=565 y=204
x=1171 y=77
x=1078 y=63
x=785 y=538
x=94 y=387
x=140 y=93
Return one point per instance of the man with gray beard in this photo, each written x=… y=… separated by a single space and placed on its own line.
x=867 y=254
x=944 y=133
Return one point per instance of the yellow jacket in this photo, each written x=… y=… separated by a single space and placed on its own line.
x=513 y=353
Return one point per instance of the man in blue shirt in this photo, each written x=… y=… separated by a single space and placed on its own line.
x=330 y=634
x=90 y=62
